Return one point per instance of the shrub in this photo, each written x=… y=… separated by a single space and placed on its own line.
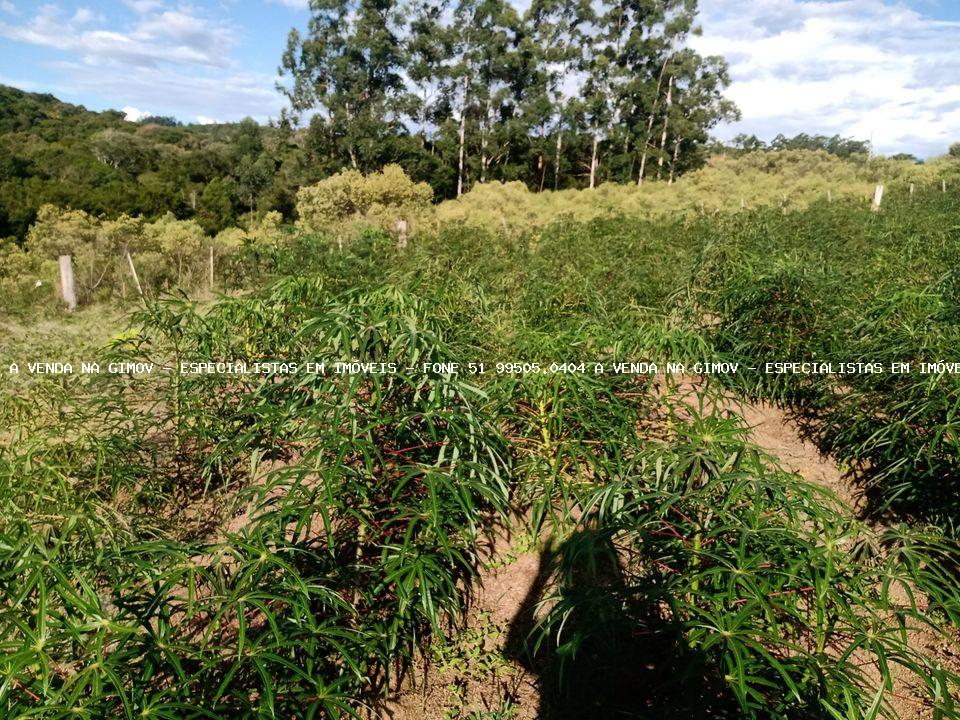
x=167 y=252
x=358 y=543
x=179 y=240
x=379 y=199
x=354 y=506
x=25 y=283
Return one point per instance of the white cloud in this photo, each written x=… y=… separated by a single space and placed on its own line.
x=134 y=114
x=219 y=96
x=143 y=6
x=8 y=7
x=172 y=36
x=204 y=120
x=175 y=61
x=83 y=16
x=857 y=68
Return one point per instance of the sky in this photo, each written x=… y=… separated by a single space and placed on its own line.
x=880 y=70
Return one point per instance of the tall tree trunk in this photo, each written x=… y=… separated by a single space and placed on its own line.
x=331 y=140
x=483 y=158
x=593 y=160
x=423 y=120
x=666 y=122
x=483 y=152
x=650 y=118
x=463 y=134
x=673 y=164
x=484 y=142
x=556 y=162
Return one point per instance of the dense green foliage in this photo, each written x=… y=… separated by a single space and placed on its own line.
x=882 y=290
x=55 y=153
x=224 y=176
x=456 y=95
x=202 y=545
x=835 y=145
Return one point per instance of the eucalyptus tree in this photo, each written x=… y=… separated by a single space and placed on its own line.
x=349 y=65
x=429 y=44
x=559 y=30
x=669 y=22
x=500 y=87
x=697 y=104
x=603 y=72
x=675 y=85
x=602 y=79
x=534 y=103
x=623 y=40
x=484 y=62
x=253 y=168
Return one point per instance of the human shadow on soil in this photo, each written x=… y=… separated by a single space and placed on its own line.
x=609 y=649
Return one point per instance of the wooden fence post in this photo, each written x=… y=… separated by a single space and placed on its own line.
x=877 y=198
x=401 y=234
x=66 y=282
x=136 y=279
x=943 y=185
x=211 y=268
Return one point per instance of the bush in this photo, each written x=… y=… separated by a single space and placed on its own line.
x=167 y=253
x=359 y=542
x=744 y=591
x=379 y=199
x=24 y=282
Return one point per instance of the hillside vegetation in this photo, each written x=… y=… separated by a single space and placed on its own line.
x=52 y=152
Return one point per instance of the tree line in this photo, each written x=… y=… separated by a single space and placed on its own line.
x=569 y=94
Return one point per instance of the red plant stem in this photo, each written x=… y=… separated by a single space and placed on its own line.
x=413 y=447
x=23 y=688
x=741 y=601
x=673 y=507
